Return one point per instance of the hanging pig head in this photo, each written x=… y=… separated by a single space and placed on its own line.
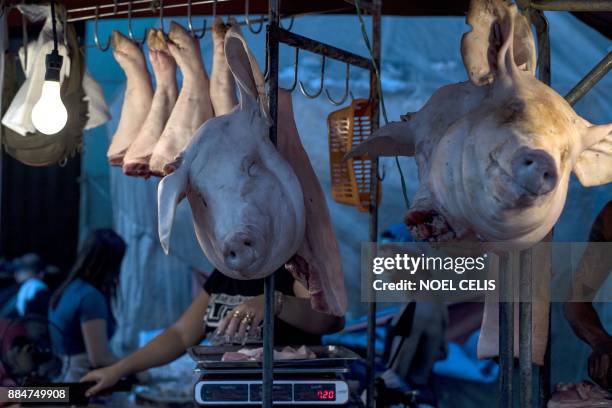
x=494 y=155
x=246 y=201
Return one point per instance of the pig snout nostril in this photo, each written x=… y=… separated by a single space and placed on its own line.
x=238 y=252
x=535 y=170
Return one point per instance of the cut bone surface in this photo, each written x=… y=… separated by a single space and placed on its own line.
x=222 y=85
x=193 y=106
x=136 y=161
x=137 y=98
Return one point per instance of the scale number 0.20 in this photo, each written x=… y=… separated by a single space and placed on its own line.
x=326 y=394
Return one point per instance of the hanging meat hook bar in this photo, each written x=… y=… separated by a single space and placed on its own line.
x=119 y=11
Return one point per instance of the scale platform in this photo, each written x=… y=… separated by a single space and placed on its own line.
x=311 y=382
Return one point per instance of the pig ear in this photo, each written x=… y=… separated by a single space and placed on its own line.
x=393 y=139
x=170 y=192
x=594 y=165
x=500 y=36
x=245 y=70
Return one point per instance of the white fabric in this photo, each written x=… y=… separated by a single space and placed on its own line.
x=97 y=110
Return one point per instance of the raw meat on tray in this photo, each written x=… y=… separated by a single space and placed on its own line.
x=256 y=354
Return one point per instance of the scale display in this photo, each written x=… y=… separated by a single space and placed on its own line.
x=314 y=392
x=244 y=392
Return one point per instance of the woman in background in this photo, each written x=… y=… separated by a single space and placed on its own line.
x=231 y=311
x=81 y=306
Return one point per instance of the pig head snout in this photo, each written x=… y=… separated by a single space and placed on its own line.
x=239 y=251
x=535 y=170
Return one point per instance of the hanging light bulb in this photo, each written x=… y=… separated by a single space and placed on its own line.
x=49 y=114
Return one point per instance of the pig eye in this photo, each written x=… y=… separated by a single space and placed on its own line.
x=203 y=200
x=253 y=169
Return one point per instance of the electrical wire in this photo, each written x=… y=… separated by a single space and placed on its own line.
x=366 y=40
x=53 y=25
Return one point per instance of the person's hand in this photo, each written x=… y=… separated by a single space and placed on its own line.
x=600 y=364
x=103 y=377
x=243 y=319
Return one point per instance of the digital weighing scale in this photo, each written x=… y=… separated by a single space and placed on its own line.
x=312 y=382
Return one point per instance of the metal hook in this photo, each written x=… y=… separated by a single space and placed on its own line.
x=248 y=21
x=346 y=88
x=129 y=24
x=295 y=70
x=266 y=73
x=161 y=15
x=190 y=25
x=280 y=23
x=303 y=89
x=95 y=33
x=292 y=18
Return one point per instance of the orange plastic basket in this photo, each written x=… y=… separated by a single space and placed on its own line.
x=350 y=179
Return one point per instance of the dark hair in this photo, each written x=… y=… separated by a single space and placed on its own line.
x=98 y=263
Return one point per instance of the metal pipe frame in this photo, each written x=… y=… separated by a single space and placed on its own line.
x=317 y=47
x=118 y=13
x=590 y=80
x=276 y=35
x=373 y=209
x=268 y=329
x=572 y=5
x=542 y=32
x=525 y=326
x=506 y=331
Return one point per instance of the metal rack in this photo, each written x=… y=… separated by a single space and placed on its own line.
x=90 y=10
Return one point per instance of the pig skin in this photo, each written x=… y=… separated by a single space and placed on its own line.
x=317 y=261
x=136 y=161
x=466 y=137
x=317 y=264
x=488 y=342
x=193 y=106
x=222 y=85
x=137 y=98
x=467 y=140
x=246 y=201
